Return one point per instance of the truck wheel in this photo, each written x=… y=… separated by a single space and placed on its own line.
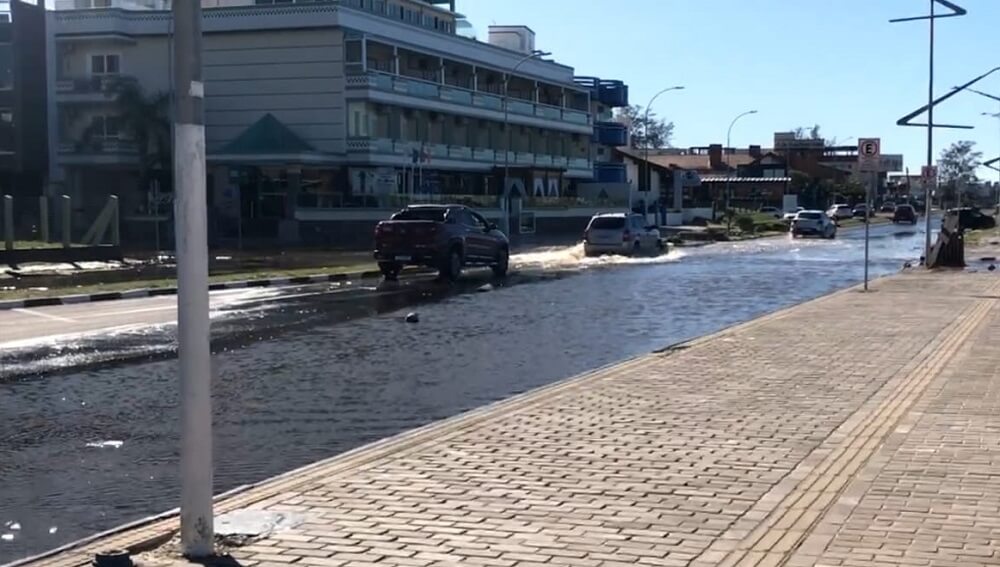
x=452 y=267
x=502 y=264
x=390 y=270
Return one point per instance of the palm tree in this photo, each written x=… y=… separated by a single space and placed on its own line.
x=143 y=119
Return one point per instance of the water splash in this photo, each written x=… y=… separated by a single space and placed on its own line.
x=564 y=257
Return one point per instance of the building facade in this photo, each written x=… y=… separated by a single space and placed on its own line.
x=321 y=117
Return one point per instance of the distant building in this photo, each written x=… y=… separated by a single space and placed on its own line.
x=322 y=117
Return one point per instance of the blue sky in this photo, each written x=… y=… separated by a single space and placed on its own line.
x=836 y=63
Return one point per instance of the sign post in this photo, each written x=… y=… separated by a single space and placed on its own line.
x=928 y=174
x=869 y=152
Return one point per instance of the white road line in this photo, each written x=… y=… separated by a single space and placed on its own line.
x=103 y=314
x=44 y=315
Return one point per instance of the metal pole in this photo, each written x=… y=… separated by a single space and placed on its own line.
x=116 y=238
x=930 y=139
x=8 y=222
x=729 y=132
x=67 y=221
x=868 y=216
x=507 y=144
x=43 y=218
x=645 y=131
x=191 y=230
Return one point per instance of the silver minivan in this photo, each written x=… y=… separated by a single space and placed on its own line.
x=621 y=233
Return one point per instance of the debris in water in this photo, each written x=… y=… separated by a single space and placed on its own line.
x=15 y=526
x=992 y=267
x=113 y=444
x=7 y=537
x=484 y=288
x=413 y=317
x=53 y=529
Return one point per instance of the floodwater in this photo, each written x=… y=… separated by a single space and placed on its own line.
x=89 y=435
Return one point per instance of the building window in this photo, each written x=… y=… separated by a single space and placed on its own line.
x=107 y=127
x=105 y=64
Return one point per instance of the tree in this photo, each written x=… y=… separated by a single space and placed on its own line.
x=957 y=168
x=807 y=133
x=144 y=120
x=657 y=135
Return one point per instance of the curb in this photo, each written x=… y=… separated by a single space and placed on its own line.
x=152 y=292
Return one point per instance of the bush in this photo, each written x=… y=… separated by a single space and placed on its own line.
x=773 y=226
x=746 y=224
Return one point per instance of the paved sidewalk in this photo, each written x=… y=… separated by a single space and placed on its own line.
x=858 y=429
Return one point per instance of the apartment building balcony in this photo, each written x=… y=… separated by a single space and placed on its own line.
x=610 y=92
x=610 y=134
x=391 y=89
x=108 y=151
x=400 y=153
x=610 y=173
x=85 y=90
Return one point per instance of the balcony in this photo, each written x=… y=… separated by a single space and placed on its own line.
x=610 y=134
x=610 y=173
x=108 y=151
x=395 y=84
x=610 y=92
x=399 y=152
x=89 y=89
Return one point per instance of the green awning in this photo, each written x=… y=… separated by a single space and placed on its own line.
x=267 y=136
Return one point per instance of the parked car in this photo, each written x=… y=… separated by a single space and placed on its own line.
x=789 y=216
x=841 y=211
x=904 y=213
x=860 y=211
x=813 y=223
x=621 y=233
x=888 y=207
x=773 y=211
x=444 y=237
x=971 y=219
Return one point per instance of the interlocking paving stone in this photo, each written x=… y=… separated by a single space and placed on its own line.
x=850 y=430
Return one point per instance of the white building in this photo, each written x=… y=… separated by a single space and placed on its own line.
x=321 y=116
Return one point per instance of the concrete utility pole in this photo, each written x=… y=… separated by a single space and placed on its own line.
x=197 y=531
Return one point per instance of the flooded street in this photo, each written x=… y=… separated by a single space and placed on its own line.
x=89 y=438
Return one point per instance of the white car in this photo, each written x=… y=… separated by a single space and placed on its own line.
x=773 y=211
x=790 y=215
x=813 y=223
x=841 y=211
x=621 y=233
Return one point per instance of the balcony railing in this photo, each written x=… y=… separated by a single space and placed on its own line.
x=100 y=146
x=446 y=93
x=610 y=173
x=102 y=85
x=611 y=133
x=610 y=92
x=405 y=149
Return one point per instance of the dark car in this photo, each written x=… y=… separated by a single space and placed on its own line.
x=888 y=207
x=444 y=237
x=860 y=211
x=904 y=213
x=971 y=219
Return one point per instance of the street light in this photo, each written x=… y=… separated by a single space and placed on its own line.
x=987 y=164
x=506 y=127
x=729 y=132
x=645 y=157
x=955 y=11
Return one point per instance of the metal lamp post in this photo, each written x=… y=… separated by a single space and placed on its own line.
x=997 y=116
x=955 y=11
x=648 y=176
x=729 y=132
x=506 y=128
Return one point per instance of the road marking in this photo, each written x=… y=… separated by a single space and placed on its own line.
x=44 y=315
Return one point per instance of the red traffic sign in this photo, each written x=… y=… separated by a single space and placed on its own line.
x=928 y=172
